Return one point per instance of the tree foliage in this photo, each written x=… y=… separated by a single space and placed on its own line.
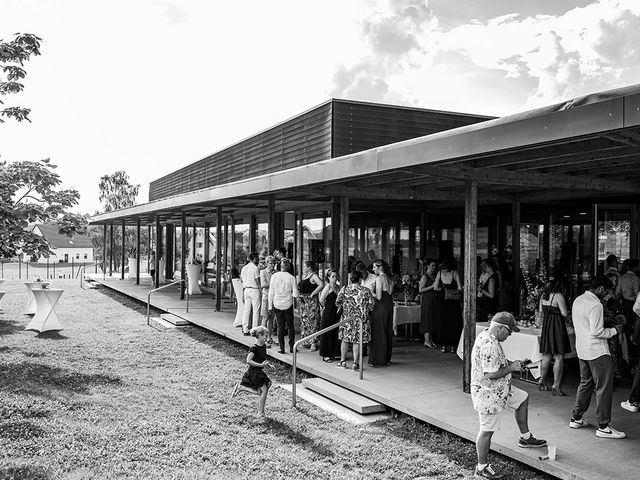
x=116 y=191
x=29 y=195
x=13 y=54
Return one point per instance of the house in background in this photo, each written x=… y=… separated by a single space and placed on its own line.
x=78 y=248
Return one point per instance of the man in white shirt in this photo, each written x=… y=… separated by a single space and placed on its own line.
x=250 y=276
x=282 y=290
x=596 y=367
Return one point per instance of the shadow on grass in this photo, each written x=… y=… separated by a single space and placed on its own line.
x=24 y=473
x=129 y=302
x=19 y=430
x=9 y=327
x=276 y=427
x=48 y=381
x=51 y=335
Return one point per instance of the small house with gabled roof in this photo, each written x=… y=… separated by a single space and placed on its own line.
x=77 y=248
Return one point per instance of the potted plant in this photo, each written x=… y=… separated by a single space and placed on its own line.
x=194 y=269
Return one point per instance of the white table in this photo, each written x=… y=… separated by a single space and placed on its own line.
x=403 y=314
x=30 y=309
x=193 y=275
x=45 y=318
x=518 y=346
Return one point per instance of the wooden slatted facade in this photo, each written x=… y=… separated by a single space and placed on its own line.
x=335 y=128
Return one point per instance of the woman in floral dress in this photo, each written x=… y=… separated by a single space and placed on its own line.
x=356 y=302
x=309 y=287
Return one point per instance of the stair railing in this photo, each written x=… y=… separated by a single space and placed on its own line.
x=312 y=336
x=82 y=269
x=186 y=291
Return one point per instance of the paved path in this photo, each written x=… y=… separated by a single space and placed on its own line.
x=427 y=384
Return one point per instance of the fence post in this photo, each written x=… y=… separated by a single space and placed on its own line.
x=54 y=269
x=27 y=269
x=19 y=268
x=47 y=268
x=72 y=264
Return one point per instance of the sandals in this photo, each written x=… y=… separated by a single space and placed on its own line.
x=327 y=359
x=342 y=364
x=355 y=367
x=543 y=387
x=557 y=392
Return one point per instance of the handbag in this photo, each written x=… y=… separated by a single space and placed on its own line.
x=452 y=294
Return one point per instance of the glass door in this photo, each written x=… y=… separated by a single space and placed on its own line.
x=616 y=230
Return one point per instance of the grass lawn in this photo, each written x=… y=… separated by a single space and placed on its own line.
x=109 y=397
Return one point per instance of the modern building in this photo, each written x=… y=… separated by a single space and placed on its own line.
x=77 y=249
x=555 y=188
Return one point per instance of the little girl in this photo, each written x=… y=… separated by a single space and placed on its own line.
x=255 y=380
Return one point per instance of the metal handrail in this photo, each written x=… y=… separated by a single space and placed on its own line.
x=309 y=337
x=83 y=269
x=186 y=292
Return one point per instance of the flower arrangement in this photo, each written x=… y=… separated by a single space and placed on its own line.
x=131 y=251
x=534 y=283
x=407 y=285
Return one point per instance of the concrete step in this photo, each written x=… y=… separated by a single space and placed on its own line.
x=174 y=319
x=349 y=399
x=160 y=324
x=336 y=409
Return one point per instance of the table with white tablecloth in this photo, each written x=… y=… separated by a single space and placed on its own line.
x=405 y=314
x=518 y=346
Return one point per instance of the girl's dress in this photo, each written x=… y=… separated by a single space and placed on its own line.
x=356 y=302
x=329 y=343
x=381 y=331
x=554 y=338
x=309 y=309
x=255 y=377
x=450 y=327
x=429 y=308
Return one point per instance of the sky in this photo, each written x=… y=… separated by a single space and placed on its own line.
x=150 y=86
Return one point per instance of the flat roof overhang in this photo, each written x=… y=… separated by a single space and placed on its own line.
x=585 y=148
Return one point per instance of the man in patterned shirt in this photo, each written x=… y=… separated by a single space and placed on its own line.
x=491 y=390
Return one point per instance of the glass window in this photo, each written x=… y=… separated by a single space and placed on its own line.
x=614 y=235
x=241 y=244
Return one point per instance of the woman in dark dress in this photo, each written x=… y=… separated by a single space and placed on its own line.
x=382 y=320
x=487 y=291
x=554 y=340
x=429 y=304
x=329 y=343
x=450 y=326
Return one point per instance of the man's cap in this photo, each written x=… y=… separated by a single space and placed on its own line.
x=505 y=318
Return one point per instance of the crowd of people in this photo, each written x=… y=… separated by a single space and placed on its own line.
x=273 y=298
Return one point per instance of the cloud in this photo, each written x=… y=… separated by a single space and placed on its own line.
x=172 y=12
x=393 y=33
x=551 y=57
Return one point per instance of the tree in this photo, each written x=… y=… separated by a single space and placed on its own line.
x=117 y=192
x=13 y=54
x=29 y=195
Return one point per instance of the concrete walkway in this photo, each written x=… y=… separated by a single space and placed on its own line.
x=427 y=384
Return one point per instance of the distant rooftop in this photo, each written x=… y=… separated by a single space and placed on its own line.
x=50 y=232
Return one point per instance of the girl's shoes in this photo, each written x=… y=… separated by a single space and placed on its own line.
x=342 y=364
x=355 y=366
x=327 y=359
x=557 y=392
x=543 y=387
x=443 y=349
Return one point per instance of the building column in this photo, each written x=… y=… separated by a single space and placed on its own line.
x=124 y=251
x=156 y=280
x=193 y=242
x=137 y=251
x=272 y=225
x=183 y=253
x=470 y=274
x=343 y=247
x=169 y=247
x=219 y=244
x=335 y=235
x=233 y=242
x=104 y=250
x=299 y=241
x=111 y=249
x=207 y=251
x=253 y=227
x=423 y=235
x=515 y=241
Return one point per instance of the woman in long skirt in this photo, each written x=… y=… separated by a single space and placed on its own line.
x=450 y=327
x=329 y=343
x=309 y=288
x=382 y=320
x=429 y=304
